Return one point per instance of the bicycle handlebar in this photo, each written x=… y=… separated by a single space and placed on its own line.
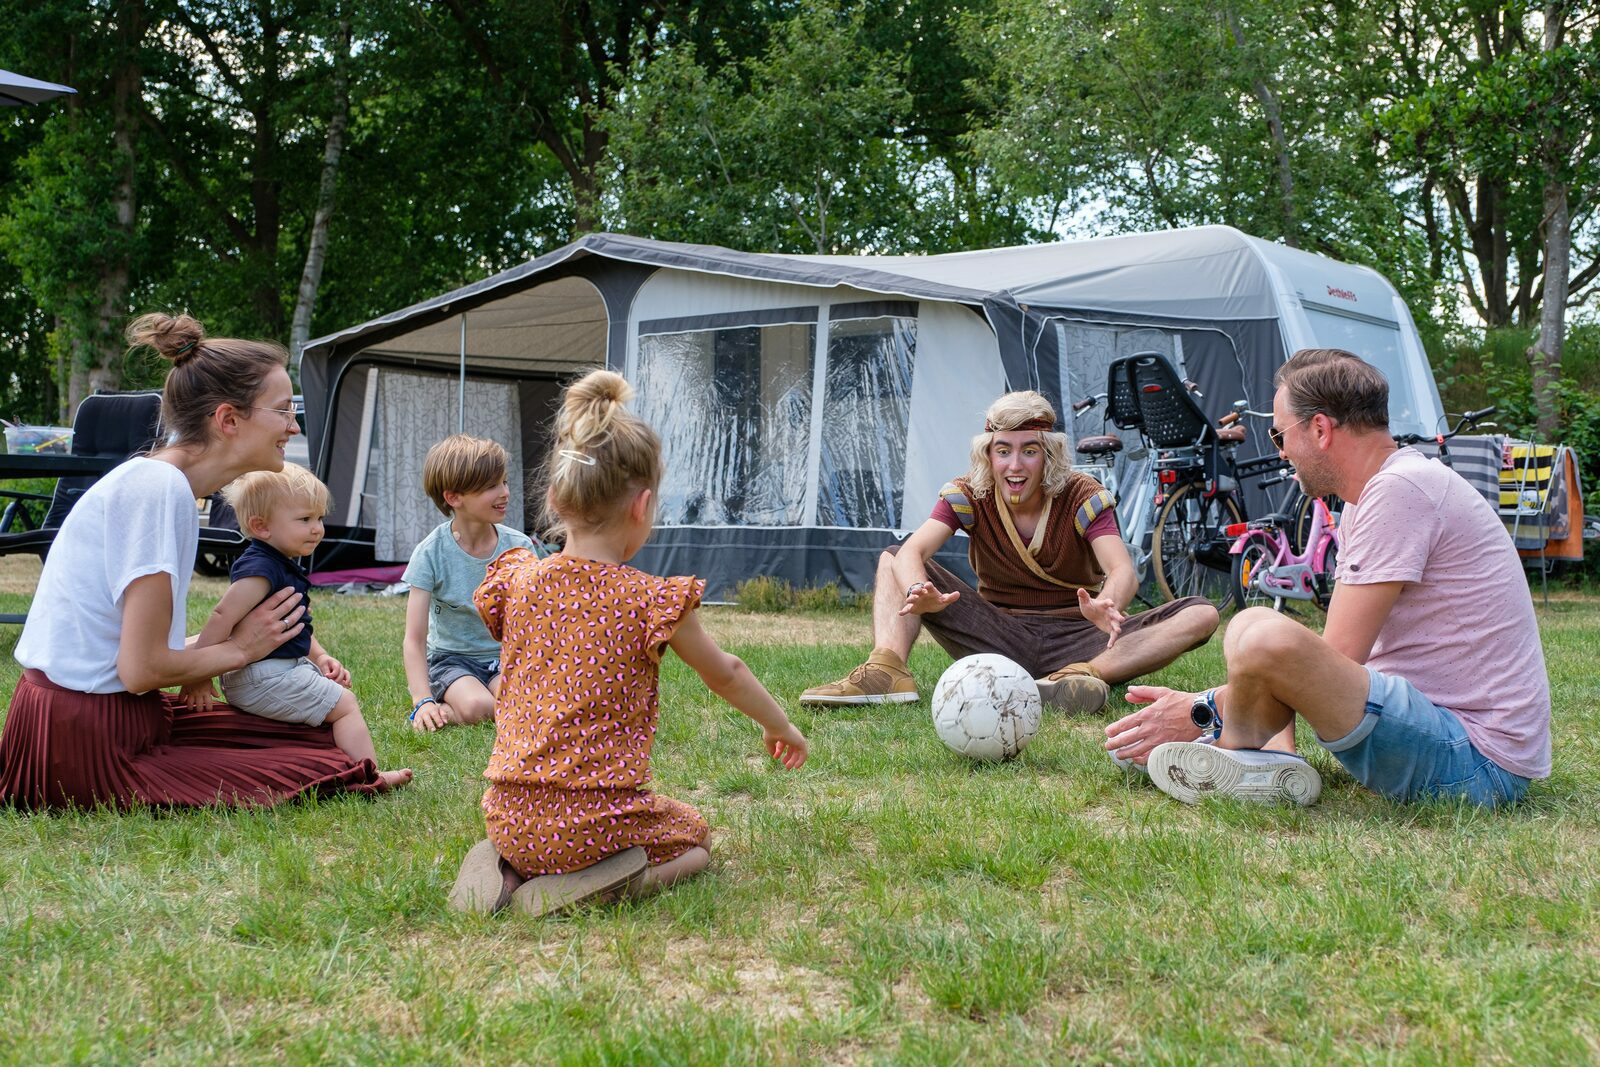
x=1467 y=421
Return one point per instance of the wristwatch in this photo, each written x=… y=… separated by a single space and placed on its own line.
x=1203 y=713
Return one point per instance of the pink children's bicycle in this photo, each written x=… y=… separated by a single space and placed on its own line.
x=1266 y=567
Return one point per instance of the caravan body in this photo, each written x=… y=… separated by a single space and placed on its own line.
x=812 y=406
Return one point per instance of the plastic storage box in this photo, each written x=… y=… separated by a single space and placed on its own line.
x=27 y=440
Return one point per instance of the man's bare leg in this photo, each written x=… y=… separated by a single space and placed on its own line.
x=1153 y=647
x=1277 y=669
x=890 y=629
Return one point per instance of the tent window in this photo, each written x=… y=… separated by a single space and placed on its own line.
x=865 y=412
x=733 y=408
x=1379 y=344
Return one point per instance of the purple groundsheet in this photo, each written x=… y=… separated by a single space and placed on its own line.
x=375 y=575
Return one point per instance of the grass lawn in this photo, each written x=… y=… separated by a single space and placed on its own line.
x=890 y=902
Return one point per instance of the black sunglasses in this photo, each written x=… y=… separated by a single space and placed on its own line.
x=1275 y=435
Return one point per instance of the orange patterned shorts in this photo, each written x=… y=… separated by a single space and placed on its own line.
x=543 y=829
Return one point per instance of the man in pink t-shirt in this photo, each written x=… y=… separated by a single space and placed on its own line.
x=1428 y=679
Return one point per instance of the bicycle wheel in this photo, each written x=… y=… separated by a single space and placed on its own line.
x=1322 y=573
x=1301 y=513
x=1257 y=552
x=1191 y=549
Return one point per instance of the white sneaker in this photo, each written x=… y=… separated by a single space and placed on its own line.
x=1188 y=770
x=1129 y=765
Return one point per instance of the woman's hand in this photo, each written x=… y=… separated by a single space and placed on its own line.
x=923 y=599
x=786 y=744
x=272 y=622
x=1103 y=612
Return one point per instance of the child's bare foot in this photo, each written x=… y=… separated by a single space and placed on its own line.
x=388 y=780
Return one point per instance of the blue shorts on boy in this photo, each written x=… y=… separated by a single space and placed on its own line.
x=458 y=642
x=1408 y=748
x=284 y=685
x=447 y=668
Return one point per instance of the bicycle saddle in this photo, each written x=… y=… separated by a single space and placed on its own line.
x=1102 y=444
x=1231 y=435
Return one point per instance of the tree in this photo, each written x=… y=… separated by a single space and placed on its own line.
x=791 y=150
x=1149 y=112
x=556 y=69
x=317 y=250
x=71 y=229
x=1465 y=96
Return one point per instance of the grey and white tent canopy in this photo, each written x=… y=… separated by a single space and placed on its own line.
x=810 y=407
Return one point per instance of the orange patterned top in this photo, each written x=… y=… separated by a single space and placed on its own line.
x=581 y=646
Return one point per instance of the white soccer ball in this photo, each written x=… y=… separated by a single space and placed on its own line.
x=986 y=707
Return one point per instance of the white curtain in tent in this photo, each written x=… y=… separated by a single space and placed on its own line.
x=415 y=412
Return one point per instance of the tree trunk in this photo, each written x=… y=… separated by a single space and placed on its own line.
x=1546 y=352
x=317 y=249
x=105 y=352
x=1280 y=145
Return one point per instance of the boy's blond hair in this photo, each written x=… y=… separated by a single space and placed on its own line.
x=462 y=464
x=258 y=494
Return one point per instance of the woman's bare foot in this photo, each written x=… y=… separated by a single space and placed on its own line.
x=388 y=780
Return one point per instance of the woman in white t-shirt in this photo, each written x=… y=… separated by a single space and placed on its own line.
x=88 y=723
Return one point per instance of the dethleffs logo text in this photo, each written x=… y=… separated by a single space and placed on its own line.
x=1342 y=294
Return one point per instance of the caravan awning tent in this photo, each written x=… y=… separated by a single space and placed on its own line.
x=811 y=406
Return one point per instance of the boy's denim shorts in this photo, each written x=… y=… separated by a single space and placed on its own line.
x=1407 y=747
x=447 y=668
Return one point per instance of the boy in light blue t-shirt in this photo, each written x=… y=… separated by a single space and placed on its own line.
x=452 y=662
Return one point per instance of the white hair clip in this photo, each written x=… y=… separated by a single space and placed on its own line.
x=575 y=456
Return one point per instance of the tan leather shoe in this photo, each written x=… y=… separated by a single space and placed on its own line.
x=1075 y=689
x=883 y=679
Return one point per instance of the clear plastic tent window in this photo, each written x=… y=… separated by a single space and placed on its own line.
x=866 y=409
x=733 y=408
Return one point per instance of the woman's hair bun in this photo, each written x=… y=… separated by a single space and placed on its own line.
x=174 y=337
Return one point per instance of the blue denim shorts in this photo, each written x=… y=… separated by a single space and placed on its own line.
x=1407 y=747
x=447 y=668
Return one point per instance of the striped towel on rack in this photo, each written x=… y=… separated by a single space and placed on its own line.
x=1477 y=459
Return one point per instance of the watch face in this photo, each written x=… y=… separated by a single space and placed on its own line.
x=1201 y=715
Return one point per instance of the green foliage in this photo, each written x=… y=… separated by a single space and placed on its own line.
x=767 y=595
x=790 y=150
x=764 y=594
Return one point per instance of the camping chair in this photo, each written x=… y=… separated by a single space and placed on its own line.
x=108 y=425
x=112 y=425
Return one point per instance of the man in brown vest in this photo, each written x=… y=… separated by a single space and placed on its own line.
x=1054 y=578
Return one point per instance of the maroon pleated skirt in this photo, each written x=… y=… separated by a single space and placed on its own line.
x=61 y=747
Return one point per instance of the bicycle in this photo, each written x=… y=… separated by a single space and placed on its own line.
x=1195 y=473
x=1267 y=565
x=1097 y=457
